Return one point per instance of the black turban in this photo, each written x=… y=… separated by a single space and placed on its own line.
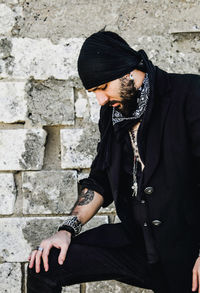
x=105 y=56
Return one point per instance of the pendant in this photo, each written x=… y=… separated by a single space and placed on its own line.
x=134 y=187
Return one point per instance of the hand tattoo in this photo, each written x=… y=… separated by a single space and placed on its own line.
x=86 y=197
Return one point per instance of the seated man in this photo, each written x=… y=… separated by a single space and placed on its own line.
x=148 y=163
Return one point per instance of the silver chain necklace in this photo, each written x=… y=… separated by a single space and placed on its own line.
x=135 y=160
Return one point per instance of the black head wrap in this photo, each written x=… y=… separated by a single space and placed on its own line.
x=105 y=56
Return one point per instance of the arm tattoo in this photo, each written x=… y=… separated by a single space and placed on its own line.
x=86 y=197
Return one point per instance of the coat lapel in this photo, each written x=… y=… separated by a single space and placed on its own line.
x=152 y=144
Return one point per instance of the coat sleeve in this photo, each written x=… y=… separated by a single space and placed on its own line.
x=193 y=124
x=193 y=121
x=98 y=179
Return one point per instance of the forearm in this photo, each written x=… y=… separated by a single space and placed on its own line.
x=87 y=205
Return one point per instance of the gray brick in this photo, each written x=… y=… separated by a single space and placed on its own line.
x=10 y=278
x=7 y=193
x=113 y=287
x=13 y=102
x=49 y=192
x=42 y=59
x=71 y=289
x=78 y=146
x=50 y=102
x=7 y=19
x=28 y=150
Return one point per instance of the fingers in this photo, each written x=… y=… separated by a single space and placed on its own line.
x=38 y=261
x=62 y=254
x=32 y=258
x=198 y=281
x=45 y=255
x=195 y=280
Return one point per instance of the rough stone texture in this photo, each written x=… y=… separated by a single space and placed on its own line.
x=10 y=278
x=49 y=192
x=22 y=149
x=20 y=235
x=94 y=107
x=55 y=20
x=64 y=19
x=81 y=105
x=113 y=287
x=86 y=106
x=117 y=219
x=50 y=102
x=6 y=60
x=7 y=193
x=71 y=289
x=95 y=222
x=13 y=102
x=41 y=59
x=176 y=51
x=78 y=146
x=13 y=245
x=7 y=19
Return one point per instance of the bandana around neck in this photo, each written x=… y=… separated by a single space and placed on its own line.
x=141 y=101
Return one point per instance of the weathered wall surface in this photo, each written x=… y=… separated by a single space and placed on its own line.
x=48 y=122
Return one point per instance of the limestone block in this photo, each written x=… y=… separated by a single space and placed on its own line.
x=41 y=59
x=78 y=146
x=10 y=277
x=108 y=209
x=50 y=102
x=22 y=149
x=13 y=246
x=173 y=53
x=7 y=19
x=113 y=287
x=82 y=175
x=7 y=193
x=55 y=19
x=71 y=289
x=157 y=17
x=6 y=60
x=94 y=107
x=12 y=2
x=20 y=235
x=13 y=102
x=49 y=192
x=81 y=106
x=117 y=220
x=95 y=222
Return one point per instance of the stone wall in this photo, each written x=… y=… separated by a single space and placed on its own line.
x=48 y=122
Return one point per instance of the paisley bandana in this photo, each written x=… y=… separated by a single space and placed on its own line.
x=141 y=101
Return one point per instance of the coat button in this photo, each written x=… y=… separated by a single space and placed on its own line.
x=156 y=222
x=145 y=224
x=142 y=201
x=148 y=190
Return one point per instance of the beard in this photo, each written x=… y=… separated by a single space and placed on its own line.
x=129 y=93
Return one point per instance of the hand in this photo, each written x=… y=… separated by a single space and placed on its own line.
x=60 y=240
x=196 y=276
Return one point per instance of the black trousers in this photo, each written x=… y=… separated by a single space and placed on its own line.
x=85 y=263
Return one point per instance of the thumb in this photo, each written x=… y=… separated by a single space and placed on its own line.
x=62 y=255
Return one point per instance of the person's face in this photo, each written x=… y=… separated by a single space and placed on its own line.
x=120 y=93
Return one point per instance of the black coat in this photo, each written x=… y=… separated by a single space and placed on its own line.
x=172 y=167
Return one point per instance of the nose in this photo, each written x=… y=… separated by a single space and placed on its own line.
x=101 y=98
